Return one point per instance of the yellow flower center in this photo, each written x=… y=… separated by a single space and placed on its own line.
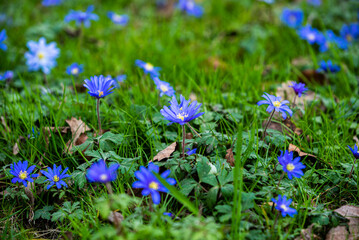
x=164 y=88
x=349 y=38
x=181 y=116
x=276 y=103
x=284 y=207
x=40 y=55
x=100 y=93
x=103 y=177
x=311 y=37
x=23 y=175
x=149 y=66
x=154 y=185
x=56 y=178
x=75 y=71
x=290 y=167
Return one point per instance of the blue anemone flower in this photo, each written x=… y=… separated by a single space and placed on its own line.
x=99 y=86
x=171 y=215
x=292 y=17
x=293 y=167
x=149 y=182
x=350 y=32
x=329 y=39
x=55 y=176
x=190 y=152
x=121 y=78
x=75 y=69
x=282 y=205
x=22 y=173
x=8 y=75
x=41 y=56
x=299 y=88
x=47 y=3
x=164 y=87
x=118 y=19
x=190 y=7
x=328 y=67
x=82 y=17
x=276 y=104
x=315 y=2
x=99 y=172
x=3 y=37
x=310 y=34
x=355 y=151
x=183 y=112
x=148 y=68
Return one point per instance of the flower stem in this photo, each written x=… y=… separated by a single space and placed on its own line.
x=275 y=221
x=193 y=130
x=269 y=120
x=98 y=117
x=280 y=179
x=351 y=171
x=294 y=99
x=115 y=218
x=183 y=138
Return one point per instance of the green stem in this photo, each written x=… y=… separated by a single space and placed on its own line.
x=269 y=120
x=98 y=117
x=183 y=139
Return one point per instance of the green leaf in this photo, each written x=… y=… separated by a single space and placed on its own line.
x=187 y=186
x=43 y=213
x=79 y=178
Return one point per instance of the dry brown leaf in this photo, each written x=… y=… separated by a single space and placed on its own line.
x=166 y=153
x=340 y=232
x=15 y=149
x=78 y=127
x=115 y=214
x=3 y=121
x=308 y=234
x=229 y=157
x=293 y=148
x=30 y=195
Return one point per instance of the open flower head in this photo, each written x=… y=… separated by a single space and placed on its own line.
x=190 y=7
x=329 y=40
x=8 y=75
x=182 y=112
x=74 y=69
x=293 y=167
x=55 y=176
x=118 y=19
x=328 y=67
x=282 y=205
x=350 y=32
x=149 y=182
x=3 y=37
x=355 y=151
x=80 y=17
x=276 y=104
x=164 y=87
x=148 y=68
x=299 y=88
x=99 y=86
x=22 y=173
x=310 y=34
x=99 y=172
x=292 y=17
x=190 y=152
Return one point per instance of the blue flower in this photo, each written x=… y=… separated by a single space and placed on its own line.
x=82 y=17
x=3 y=37
x=149 y=182
x=350 y=32
x=99 y=172
x=292 y=17
x=51 y=2
x=190 y=7
x=315 y=2
x=41 y=56
x=148 y=68
x=190 y=152
x=171 y=215
x=299 y=88
x=75 y=69
x=55 y=176
x=118 y=19
x=8 y=75
x=282 y=205
x=183 y=112
x=293 y=167
x=33 y=134
x=355 y=151
x=164 y=87
x=328 y=67
x=276 y=104
x=329 y=39
x=121 y=78
x=310 y=34
x=99 y=86
x=22 y=173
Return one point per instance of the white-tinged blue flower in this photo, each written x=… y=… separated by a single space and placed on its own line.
x=118 y=19
x=82 y=17
x=164 y=87
x=148 y=68
x=190 y=7
x=8 y=75
x=292 y=17
x=276 y=104
x=75 y=69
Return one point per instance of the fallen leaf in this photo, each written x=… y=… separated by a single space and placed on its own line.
x=293 y=148
x=340 y=232
x=3 y=121
x=15 y=149
x=78 y=127
x=30 y=195
x=308 y=234
x=112 y=216
x=166 y=153
x=229 y=157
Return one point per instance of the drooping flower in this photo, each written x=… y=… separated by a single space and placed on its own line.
x=164 y=87
x=3 y=37
x=118 y=19
x=82 y=17
x=310 y=34
x=328 y=67
x=315 y=2
x=149 y=182
x=190 y=7
x=292 y=17
x=329 y=39
x=355 y=151
x=8 y=75
x=276 y=104
x=47 y=3
x=75 y=69
x=282 y=205
x=148 y=68
x=22 y=173
x=55 y=176
x=350 y=32
x=183 y=112
x=299 y=88
x=99 y=86
x=293 y=167
x=190 y=152
x=41 y=56
x=99 y=172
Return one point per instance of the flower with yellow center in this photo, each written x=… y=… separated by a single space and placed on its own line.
x=154 y=186
x=100 y=93
x=40 y=55
x=290 y=167
x=349 y=38
x=56 y=178
x=276 y=103
x=75 y=71
x=181 y=116
x=284 y=207
x=149 y=67
x=23 y=175
x=164 y=88
x=103 y=177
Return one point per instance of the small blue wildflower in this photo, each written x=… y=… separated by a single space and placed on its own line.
x=328 y=67
x=183 y=112
x=350 y=32
x=329 y=39
x=118 y=19
x=121 y=78
x=308 y=33
x=34 y=134
x=8 y=75
x=22 y=173
x=315 y=2
x=299 y=88
x=75 y=69
x=3 y=37
x=276 y=104
x=99 y=172
x=164 y=87
x=282 y=205
x=41 y=56
x=149 y=182
x=47 y=3
x=171 y=215
x=293 y=167
x=355 y=151
x=190 y=152
x=292 y=17
x=190 y=7
x=55 y=176
x=82 y=17
x=99 y=86
x=148 y=68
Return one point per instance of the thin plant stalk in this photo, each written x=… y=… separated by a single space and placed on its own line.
x=115 y=218
x=275 y=221
x=98 y=117
x=294 y=99
x=280 y=179
x=269 y=120
x=159 y=100
x=45 y=80
x=193 y=130
x=351 y=171
x=183 y=139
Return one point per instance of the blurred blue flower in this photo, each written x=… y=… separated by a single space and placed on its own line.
x=82 y=17
x=55 y=176
x=183 y=112
x=267 y=1
x=149 y=182
x=171 y=215
x=329 y=39
x=350 y=32
x=22 y=173
x=99 y=86
x=276 y=104
x=328 y=67
x=293 y=167
x=190 y=7
x=164 y=87
x=75 y=69
x=355 y=151
x=51 y=2
x=8 y=75
x=148 y=68
x=99 y=172
x=121 y=78
x=41 y=56
x=299 y=88
x=282 y=205
x=190 y=152
x=118 y=19
x=310 y=34
x=292 y=17
x=33 y=134
x=3 y=37
x=315 y=2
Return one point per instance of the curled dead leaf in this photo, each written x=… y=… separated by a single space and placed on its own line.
x=78 y=127
x=229 y=157
x=340 y=232
x=293 y=148
x=166 y=153
x=112 y=216
x=3 y=121
x=308 y=234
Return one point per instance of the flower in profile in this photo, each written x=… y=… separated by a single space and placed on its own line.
x=22 y=173
x=55 y=176
x=41 y=56
x=315 y=2
x=183 y=112
x=118 y=19
x=292 y=17
x=75 y=69
x=99 y=172
x=276 y=104
x=190 y=7
x=164 y=87
x=350 y=32
x=99 y=86
x=149 y=182
x=282 y=205
x=190 y=152
x=171 y=215
x=148 y=68
x=7 y=76
x=3 y=37
x=47 y=3
x=355 y=151
x=310 y=34
x=293 y=167
x=328 y=67
x=82 y=17
x=299 y=88
x=329 y=39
